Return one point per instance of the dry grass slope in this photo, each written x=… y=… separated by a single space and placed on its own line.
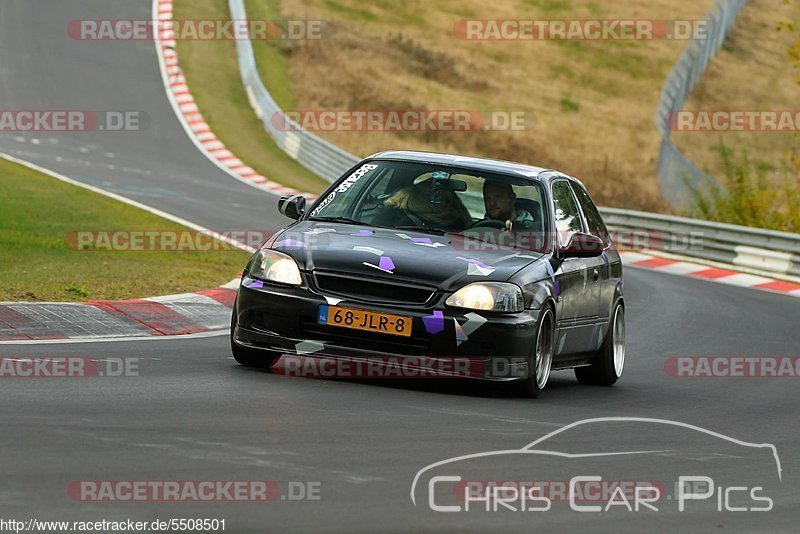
x=751 y=72
x=594 y=101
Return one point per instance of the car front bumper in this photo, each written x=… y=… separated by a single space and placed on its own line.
x=283 y=320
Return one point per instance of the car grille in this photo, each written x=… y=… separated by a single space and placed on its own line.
x=374 y=290
x=357 y=339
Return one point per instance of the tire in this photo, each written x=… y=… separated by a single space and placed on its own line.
x=609 y=361
x=541 y=359
x=259 y=359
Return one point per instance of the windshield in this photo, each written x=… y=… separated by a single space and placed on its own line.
x=424 y=197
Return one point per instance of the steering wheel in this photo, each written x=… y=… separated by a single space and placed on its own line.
x=489 y=223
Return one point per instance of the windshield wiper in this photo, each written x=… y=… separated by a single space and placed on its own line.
x=346 y=220
x=424 y=229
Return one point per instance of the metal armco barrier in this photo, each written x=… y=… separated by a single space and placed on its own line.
x=311 y=151
x=754 y=248
x=674 y=169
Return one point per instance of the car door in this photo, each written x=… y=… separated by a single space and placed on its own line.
x=578 y=292
x=601 y=268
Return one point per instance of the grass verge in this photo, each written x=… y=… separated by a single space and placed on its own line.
x=38 y=212
x=212 y=74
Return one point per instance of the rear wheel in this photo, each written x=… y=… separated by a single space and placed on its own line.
x=541 y=361
x=250 y=357
x=609 y=361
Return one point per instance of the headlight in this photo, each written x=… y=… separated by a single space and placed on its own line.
x=488 y=296
x=274 y=266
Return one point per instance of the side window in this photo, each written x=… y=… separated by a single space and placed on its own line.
x=372 y=198
x=381 y=184
x=593 y=219
x=568 y=219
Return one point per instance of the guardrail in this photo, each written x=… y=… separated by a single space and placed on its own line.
x=311 y=151
x=675 y=169
x=753 y=248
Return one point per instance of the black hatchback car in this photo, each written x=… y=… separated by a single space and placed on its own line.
x=434 y=258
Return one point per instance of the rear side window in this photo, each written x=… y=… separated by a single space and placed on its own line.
x=593 y=219
x=568 y=219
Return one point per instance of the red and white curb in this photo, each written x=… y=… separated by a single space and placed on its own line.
x=709 y=273
x=172 y=315
x=210 y=310
x=193 y=121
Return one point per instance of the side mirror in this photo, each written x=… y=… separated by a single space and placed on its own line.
x=584 y=246
x=292 y=206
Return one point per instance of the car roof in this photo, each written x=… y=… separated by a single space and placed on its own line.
x=471 y=162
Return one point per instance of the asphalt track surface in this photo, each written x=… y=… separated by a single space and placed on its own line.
x=41 y=67
x=193 y=414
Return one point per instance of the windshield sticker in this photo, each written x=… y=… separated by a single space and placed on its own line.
x=356 y=176
x=324 y=203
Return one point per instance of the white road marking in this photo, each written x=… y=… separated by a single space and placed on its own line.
x=178 y=337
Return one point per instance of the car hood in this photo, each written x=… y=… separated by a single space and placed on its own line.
x=443 y=261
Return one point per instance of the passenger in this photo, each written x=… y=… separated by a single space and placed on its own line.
x=441 y=209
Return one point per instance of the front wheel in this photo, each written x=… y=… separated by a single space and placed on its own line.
x=541 y=360
x=609 y=361
x=250 y=357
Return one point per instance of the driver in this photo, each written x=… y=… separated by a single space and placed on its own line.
x=499 y=200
